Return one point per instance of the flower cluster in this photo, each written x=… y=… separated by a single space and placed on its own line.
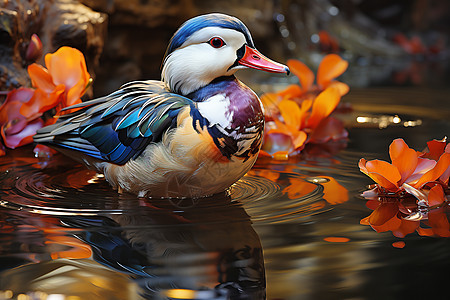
x=411 y=189
x=59 y=85
x=300 y=114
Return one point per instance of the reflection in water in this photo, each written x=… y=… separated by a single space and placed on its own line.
x=403 y=215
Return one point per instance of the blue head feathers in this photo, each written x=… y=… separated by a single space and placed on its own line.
x=203 y=21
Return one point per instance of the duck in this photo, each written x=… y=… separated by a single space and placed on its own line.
x=192 y=134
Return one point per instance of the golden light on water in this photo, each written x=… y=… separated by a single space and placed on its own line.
x=180 y=294
x=384 y=121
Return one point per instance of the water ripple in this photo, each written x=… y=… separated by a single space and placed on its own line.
x=65 y=188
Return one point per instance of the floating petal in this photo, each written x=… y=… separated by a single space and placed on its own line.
x=441 y=167
x=383 y=173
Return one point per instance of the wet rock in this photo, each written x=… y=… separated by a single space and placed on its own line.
x=57 y=23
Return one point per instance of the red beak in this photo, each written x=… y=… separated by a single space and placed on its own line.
x=253 y=59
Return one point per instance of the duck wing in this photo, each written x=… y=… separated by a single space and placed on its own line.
x=117 y=127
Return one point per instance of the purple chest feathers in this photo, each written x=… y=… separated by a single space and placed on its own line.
x=233 y=115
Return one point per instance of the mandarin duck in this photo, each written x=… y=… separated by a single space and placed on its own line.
x=192 y=134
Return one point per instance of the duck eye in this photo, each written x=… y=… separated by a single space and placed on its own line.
x=216 y=42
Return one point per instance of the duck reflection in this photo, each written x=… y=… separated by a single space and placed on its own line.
x=165 y=246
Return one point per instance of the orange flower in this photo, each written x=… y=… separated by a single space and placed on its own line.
x=331 y=67
x=300 y=113
x=408 y=168
x=412 y=189
x=296 y=124
x=59 y=85
x=17 y=129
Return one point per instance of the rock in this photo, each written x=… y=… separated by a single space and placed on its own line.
x=57 y=23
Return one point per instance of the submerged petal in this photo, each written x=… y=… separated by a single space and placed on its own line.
x=331 y=67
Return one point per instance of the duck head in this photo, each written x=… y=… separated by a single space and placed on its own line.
x=211 y=46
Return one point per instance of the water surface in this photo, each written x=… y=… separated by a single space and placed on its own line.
x=287 y=230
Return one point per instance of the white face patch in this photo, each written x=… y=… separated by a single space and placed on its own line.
x=216 y=110
x=196 y=63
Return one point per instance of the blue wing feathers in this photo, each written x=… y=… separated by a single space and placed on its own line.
x=118 y=127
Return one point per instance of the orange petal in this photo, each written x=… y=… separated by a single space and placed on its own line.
x=67 y=66
x=442 y=165
x=277 y=140
x=331 y=67
x=41 y=78
x=406 y=163
x=292 y=91
x=291 y=113
x=436 y=195
x=342 y=87
x=396 y=148
x=323 y=106
x=304 y=74
x=305 y=107
x=383 y=173
x=299 y=140
x=362 y=166
x=74 y=94
x=328 y=129
x=41 y=102
x=436 y=148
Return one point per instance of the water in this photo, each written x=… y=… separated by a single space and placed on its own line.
x=288 y=230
